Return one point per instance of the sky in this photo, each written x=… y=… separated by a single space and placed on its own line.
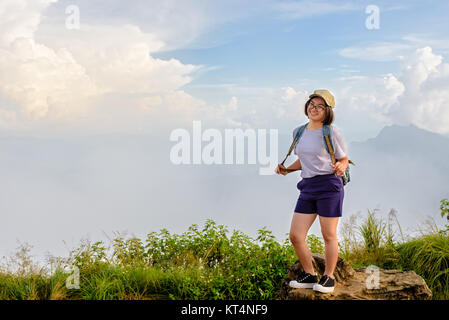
x=77 y=69
x=123 y=66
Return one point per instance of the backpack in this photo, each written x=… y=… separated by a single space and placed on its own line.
x=327 y=144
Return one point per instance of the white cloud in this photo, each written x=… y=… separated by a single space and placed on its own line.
x=419 y=95
x=118 y=58
x=360 y=100
x=378 y=51
x=179 y=24
x=292 y=103
x=397 y=50
x=300 y=9
x=86 y=76
x=289 y=94
x=420 y=40
x=426 y=97
x=20 y=18
x=229 y=112
x=352 y=78
x=36 y=81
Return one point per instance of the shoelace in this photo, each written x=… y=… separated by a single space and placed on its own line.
x=305 y=277
x=325 y=281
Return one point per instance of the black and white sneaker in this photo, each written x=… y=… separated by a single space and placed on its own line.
x=325 y=285
x=305 y=280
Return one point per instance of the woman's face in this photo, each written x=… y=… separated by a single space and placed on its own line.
x=316 y=110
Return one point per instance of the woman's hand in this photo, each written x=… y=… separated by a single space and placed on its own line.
x=279 y=170
x=340 y=166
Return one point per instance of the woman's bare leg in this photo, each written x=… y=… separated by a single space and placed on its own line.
x=301 y=223
x=329 y=231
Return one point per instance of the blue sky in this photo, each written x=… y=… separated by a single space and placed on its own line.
x=277 y=49
x=270 y=49
x=229 y=63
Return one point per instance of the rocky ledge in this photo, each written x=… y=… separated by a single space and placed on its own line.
x=358 y=284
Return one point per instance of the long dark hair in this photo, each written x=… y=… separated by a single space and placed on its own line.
x=328 y=118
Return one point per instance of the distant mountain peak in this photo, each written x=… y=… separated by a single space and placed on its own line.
x=409 y=131
x=406 y=138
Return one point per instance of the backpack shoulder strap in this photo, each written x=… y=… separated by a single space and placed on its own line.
x=301 y=130
x=329 y=145
x=328 y=142
x=296 y=138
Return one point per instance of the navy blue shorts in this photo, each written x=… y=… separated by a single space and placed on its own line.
x=321 y=194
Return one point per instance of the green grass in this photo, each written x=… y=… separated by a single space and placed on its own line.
x=198 y=264
x=428 y=256
x=211 y=263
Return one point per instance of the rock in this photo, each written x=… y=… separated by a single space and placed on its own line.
x=353 y=284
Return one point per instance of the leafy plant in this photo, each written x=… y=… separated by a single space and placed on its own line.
x=315 y=244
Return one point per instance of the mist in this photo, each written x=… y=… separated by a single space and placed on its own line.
x=56 y=192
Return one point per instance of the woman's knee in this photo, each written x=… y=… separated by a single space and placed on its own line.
x=329 y=236
x=329 y=229
x=297 y=238
x=301 y=223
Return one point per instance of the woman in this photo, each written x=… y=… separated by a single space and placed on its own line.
x=321 y=190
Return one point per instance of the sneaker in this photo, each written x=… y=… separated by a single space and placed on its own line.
x=305 y=280
x=325 y=285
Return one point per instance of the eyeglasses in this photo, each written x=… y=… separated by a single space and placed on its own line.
x=319 y=107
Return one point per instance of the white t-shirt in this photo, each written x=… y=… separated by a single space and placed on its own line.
x=310 y=149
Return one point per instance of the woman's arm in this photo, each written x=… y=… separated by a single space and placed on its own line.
x=295 y=165
x=280 y=169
